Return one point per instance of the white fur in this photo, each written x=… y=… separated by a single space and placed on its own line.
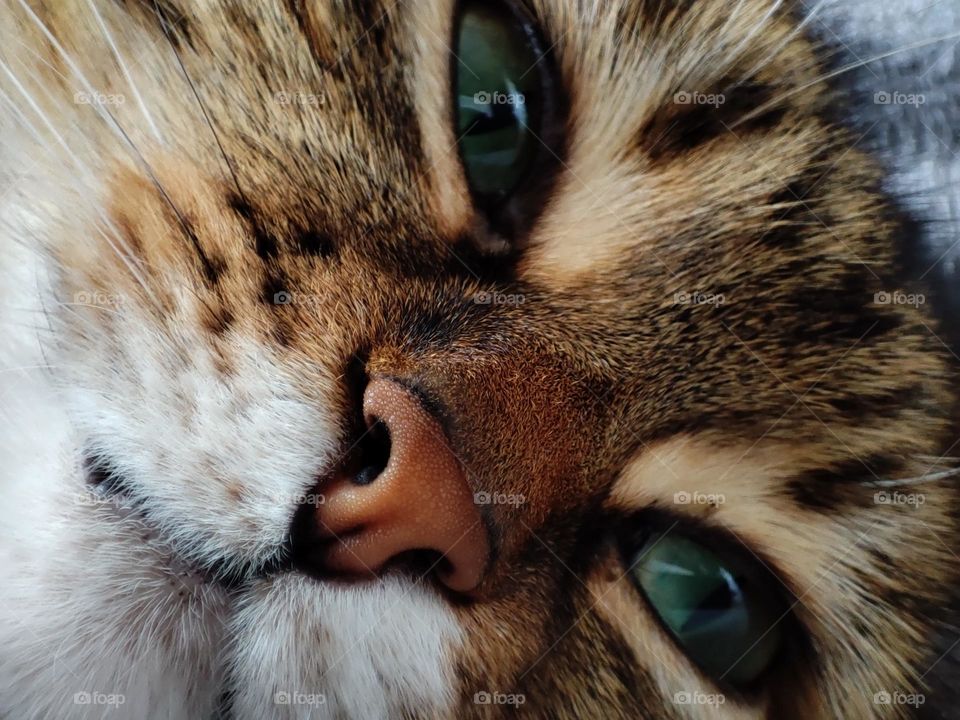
x=372 y=653
x=99 y=614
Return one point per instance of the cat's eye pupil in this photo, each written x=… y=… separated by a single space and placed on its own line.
x=499 y=102
x=722 y=599
x=724 y=619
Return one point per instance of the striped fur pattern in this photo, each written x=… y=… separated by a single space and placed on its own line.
x=699 y=314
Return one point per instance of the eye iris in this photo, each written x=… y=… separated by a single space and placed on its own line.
x=499 y=98
x=717 y=609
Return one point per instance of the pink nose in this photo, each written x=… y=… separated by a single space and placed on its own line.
x=420 y=501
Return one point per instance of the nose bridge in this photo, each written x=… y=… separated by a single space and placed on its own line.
x=419 y=501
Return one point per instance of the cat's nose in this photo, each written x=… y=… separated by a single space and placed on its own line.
x=419 y=501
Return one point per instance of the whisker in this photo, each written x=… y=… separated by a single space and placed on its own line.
x=14 y=308
x=126 y=72
x=23 y=121
x=40 y=344
x=40 y=114
x=779 y=48
x=70 y=308
x=840 y=71
x=27 y=326
x=24 y=368
x=937 y=460
x=118 y=128
x=734 y=55
x=124 y=253
x=165 y=24
x=98 y=107
x=101 y=308
x=921 y=480
x=187 y=230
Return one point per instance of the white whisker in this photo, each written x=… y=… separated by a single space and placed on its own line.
x=126 y=72
x=39 y=112
x=22 y=120
x=734 y=54
x=840 y=71
x=791 y=36
x=122 y=252
x=921 y=480
x=98 y=107
x=118 y=129
x=25 y=368
x=937 y=460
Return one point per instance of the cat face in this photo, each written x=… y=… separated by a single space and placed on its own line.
x=654 y=341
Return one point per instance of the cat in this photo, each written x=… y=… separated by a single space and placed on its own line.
x=375 y=359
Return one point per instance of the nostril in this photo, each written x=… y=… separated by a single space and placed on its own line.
x=403 y=497
x=373 y=453
x=369 y=453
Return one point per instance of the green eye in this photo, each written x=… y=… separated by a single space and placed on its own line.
x=499 y=86
x=719 y=609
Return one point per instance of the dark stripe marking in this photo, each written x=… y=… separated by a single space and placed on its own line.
x=833 y=488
